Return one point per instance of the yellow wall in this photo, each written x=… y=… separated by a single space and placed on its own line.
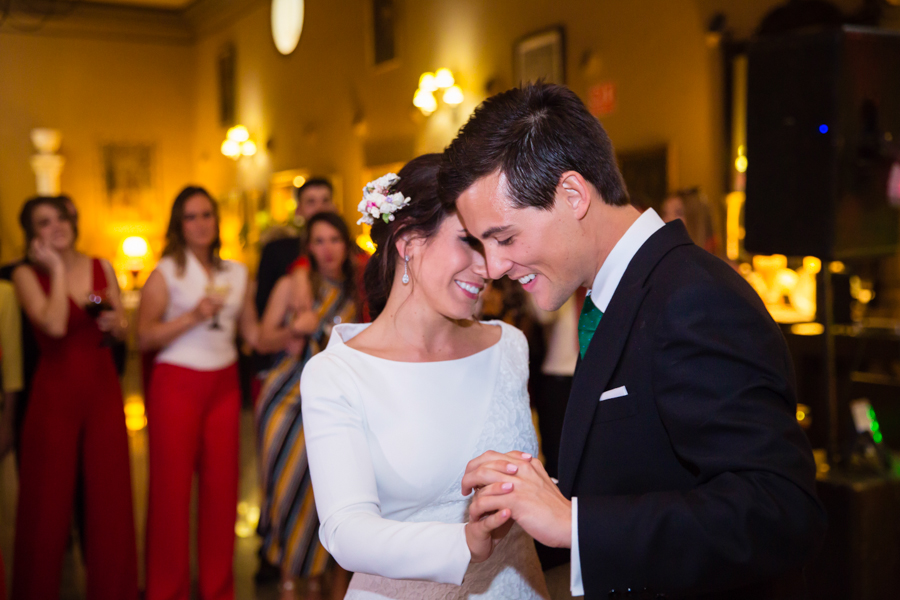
x=666 y=80
x=94 y=92
x=325 y=110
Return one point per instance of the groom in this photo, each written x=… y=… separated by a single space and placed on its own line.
x=682 y=470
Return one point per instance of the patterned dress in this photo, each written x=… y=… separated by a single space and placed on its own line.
x=288 y=521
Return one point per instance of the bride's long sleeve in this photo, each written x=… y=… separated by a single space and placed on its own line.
x=352 y=527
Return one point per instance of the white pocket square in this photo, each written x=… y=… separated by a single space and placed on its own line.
x=613 y=393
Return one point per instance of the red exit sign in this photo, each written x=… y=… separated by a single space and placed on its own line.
x=602 y=99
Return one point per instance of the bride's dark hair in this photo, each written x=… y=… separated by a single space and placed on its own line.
x=421 y=218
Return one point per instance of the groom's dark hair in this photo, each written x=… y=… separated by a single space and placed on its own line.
x=532 y=134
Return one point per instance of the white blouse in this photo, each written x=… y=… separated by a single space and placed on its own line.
x=202 y=348
x=388 y=443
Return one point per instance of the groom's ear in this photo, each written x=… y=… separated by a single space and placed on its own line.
x=575 y=192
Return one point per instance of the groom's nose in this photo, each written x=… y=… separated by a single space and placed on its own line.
x=497 y=264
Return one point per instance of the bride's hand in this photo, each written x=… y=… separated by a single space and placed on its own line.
x=483 y=535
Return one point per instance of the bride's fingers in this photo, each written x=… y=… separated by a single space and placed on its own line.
x=489 y=473
x=496 y=489
x=520 y=455
x=489 y=456
x=492 y=522
x=483 y=506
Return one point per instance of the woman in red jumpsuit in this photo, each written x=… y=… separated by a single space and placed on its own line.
x=75 y=416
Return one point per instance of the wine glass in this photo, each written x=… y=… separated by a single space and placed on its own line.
x=219 y=292
x=97 y=303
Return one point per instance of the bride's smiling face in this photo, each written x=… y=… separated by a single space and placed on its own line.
x=448 y=270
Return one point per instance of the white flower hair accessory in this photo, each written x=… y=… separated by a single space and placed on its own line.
x=378 y=203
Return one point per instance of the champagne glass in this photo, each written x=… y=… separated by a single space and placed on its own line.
x=97 y=303
x=218 y=291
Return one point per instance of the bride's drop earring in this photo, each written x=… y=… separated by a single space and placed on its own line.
x=405 y=279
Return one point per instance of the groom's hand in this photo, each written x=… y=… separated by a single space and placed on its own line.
x=516 y=482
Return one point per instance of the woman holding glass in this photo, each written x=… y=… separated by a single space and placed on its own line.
x=75 y=420
x=191 y=308
x=319 y=292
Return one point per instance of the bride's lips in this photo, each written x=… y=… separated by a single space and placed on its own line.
x=469 y=289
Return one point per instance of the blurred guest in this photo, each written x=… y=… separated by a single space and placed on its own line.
x=10 y=377
x=312 y=197
x=75 y=415
x=302 y=309
x=692 y=207
x=190 y=309
x=16 y=403
x=10 y=363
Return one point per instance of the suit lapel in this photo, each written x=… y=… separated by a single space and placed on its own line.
x=594 y=372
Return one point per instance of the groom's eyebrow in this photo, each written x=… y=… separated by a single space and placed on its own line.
x=494 y=231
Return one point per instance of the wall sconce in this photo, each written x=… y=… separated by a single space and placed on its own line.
x=135 y=249
x=238 y=143
x=430 y=83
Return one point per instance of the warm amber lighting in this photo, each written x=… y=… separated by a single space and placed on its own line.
x=135 y=247
x=427 y=82
x=734 y=233
x=425 y=101
x=837 y=267
x=807 y=329
x=364 y=241
x=248 y=148
x=443 y=78
x=812 y=264
x=247 y=521
x=238 y=133
x=453 y=96
x=762 y=262
x=789 y=295
x=135 y=419
x=231 y=149
x=299 y=180
x=740 y=163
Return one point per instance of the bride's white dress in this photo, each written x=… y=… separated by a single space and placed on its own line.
x=388 y=444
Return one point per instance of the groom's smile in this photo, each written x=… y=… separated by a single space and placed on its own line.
x=534 y=246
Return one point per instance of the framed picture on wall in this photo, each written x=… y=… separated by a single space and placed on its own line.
x=128 y=181
x=540 y=56
x=381 y=34
x=226 y=71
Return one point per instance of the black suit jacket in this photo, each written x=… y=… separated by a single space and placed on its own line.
x=699 y=481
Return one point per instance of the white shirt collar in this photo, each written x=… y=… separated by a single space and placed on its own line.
x=607 y=279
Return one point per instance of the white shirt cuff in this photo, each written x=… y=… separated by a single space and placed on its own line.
x=576 y=586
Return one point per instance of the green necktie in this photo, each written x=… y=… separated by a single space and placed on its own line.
x=587 y=323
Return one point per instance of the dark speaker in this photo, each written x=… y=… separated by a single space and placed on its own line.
x=823 y=122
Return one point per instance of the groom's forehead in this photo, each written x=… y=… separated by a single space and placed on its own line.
x=489 y=194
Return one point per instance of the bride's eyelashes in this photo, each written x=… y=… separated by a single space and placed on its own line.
x=471 y=241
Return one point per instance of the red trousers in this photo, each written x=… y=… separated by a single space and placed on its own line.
x=75 y=414
x=193 y=425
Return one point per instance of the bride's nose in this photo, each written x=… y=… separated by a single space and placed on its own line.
x=479 y=267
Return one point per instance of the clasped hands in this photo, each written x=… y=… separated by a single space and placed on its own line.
x=513 y=487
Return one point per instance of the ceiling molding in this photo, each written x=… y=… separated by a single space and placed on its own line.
x=210 y=16
x=126 y=22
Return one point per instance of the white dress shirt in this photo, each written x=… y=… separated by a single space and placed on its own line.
x=601 y=292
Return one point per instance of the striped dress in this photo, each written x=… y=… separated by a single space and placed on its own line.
x=288 y=521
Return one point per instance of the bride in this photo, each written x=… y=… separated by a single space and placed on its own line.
x=395 y=409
